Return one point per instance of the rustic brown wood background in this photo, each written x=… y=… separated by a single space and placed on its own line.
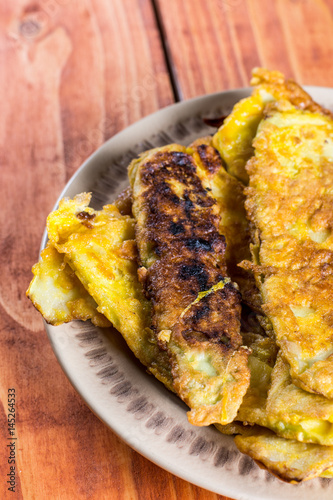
x=72 y=73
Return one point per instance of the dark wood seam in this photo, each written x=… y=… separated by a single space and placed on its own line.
x=176 y=90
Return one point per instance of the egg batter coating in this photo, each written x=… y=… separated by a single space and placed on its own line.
x=273 y=401
x=58 y=294
x=196 y=306
x=230 y=198
x=234 y=138
x=289 y=203
x=287 y=459
x=99 y=247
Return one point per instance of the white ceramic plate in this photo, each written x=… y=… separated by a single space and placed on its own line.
x=107 y=375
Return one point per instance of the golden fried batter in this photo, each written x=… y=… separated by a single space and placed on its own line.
x=289 y=203
x=287 y=459
x=99 y=247
x=196 y=307
x=58 y=294
x=234 y=138
x=273 y=401
x=230 y=197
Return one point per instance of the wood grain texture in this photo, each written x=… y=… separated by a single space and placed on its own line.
x=214 y=45
x=73 y=73
x=70 y=78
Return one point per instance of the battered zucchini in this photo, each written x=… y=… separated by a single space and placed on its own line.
x=58 y=294
x=196 y=307
x=230 y=197
x=273 y=401
x=289 y=203
x=99 y=246
x=288 y=459
x=234 y=138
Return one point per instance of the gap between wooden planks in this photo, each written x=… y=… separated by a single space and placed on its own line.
x=214 y=45
x=73 y=73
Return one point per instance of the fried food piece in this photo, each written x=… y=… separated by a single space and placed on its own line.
x=284 y=458
x=287 y=459
x=58 y=294
x=99 y=246
x=230 y=197
x=234 y=138
x=275 y=84
x=273 y=401
x=261 y=361
x=55 y=290
x=303 y=416
x=196 y=307
x=283 y=407
x=289 y=203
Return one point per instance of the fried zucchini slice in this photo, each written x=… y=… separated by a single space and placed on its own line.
x=300 y=415
x=55 y=290
x=234 y=138
x=58 y=294
x=284 y=458
x=273 y=401
x=280 y=88
x=99 y=246
x=230 y=197
x=287 y=459
x=196 y=307
x=289 y=203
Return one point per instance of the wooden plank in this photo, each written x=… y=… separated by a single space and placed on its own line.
x=310 y=45
x=72 y=74
x=214 y=45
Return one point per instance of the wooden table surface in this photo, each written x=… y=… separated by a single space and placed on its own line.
x=72 y=74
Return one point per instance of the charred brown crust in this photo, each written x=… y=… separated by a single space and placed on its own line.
x=182 y=226
x=186 y=222
x=85 y=218
x=238 y=236
x=210 y=158
x=213 y=319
